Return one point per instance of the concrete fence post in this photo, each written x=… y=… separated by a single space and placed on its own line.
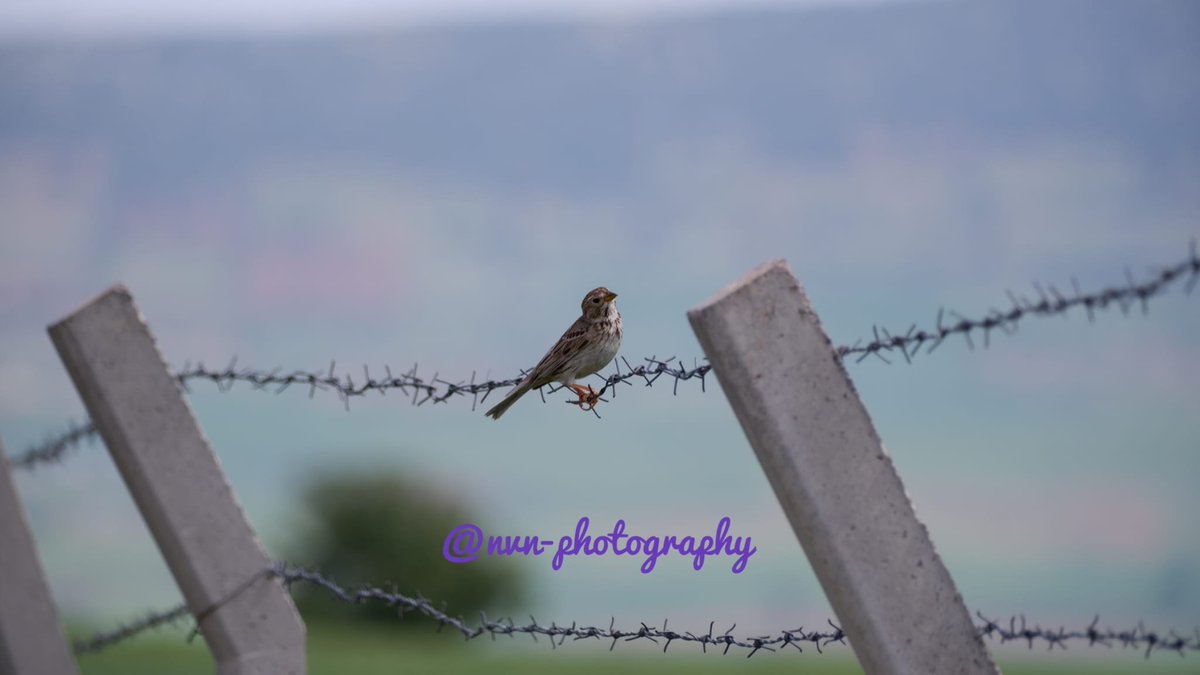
x=247 y=617
x=840 y=491
x=32 y=641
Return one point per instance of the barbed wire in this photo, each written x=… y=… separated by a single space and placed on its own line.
x=1136 y=637
x=436 y=389
x=403 y=603
x=122 y=632
x=413 y=386
x=420 y=390
x=153 y=620
x=1018 y=629
x=1050 y=302
x=54 y=448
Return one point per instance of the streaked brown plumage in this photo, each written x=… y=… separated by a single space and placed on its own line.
x=586 y=347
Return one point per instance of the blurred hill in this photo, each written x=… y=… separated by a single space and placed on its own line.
x=583 y=107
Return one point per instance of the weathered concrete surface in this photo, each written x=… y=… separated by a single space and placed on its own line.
x=32 y=641
x=840 y=491
x=179 y=487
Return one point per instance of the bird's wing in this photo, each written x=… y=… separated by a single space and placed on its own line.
x=550 y=368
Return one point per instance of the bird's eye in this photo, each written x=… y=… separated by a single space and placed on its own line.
x=595 y=299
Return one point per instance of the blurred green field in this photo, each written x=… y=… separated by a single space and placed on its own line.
x=337 y=650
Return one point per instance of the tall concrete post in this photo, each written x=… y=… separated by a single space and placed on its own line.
x=32 y=641
x=840 y=491
x=247 y=617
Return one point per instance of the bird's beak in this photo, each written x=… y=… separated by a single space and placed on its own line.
x=610 y=297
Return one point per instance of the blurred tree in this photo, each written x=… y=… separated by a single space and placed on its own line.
x=387 y=530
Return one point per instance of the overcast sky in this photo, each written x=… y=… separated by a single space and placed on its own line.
x=39 y=18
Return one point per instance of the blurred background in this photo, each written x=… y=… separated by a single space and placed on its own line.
x=405 y=181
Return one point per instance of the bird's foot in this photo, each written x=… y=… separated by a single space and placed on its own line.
x=588 y=397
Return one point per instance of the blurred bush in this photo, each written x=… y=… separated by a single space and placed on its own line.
x=386 y=529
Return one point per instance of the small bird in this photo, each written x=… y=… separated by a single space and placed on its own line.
x=587 y=346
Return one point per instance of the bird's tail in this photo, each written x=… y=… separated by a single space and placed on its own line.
x=504 y=405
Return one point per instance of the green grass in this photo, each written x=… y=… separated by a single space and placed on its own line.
x=341 y=650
